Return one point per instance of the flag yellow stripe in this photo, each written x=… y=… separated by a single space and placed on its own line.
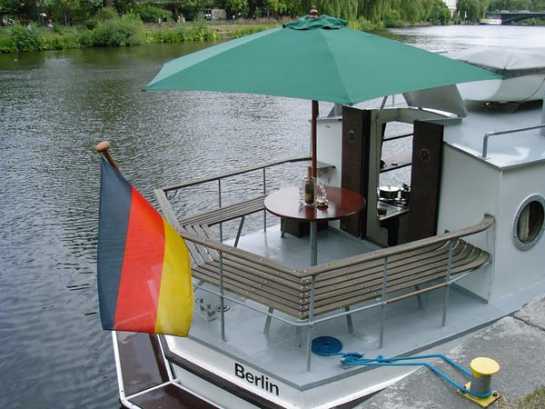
x=175 y=306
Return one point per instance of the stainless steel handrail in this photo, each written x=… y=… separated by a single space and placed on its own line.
x=235 y=173
x=496 y=133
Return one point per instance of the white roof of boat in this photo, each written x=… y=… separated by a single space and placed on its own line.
x=504 y=59
x=504 y=151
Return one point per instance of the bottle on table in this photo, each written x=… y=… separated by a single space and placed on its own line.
x=309 y=189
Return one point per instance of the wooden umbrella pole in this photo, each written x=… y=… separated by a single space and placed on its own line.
x=102 y=148
x=314 y=132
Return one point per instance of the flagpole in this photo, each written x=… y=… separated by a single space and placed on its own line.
x=102 y=148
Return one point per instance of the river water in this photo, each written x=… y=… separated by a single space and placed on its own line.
x=54 y=107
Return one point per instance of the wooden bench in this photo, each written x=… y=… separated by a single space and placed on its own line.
x=227 y=213
x=389 y=275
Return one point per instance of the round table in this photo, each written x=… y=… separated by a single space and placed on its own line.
x=341 y=203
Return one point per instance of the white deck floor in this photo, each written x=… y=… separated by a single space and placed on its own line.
x=294 y=252
x=408 y=328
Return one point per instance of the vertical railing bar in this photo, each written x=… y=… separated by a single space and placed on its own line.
x=310 y=319
x=239 y=231
x=491 y=242
x=264 y=194
x=268 y=321
x=447 y=288
x=219 y=203
x=383 y=305
x=349 y=322
x=222 y=299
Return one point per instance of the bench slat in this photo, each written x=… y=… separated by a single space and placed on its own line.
x=227 y=213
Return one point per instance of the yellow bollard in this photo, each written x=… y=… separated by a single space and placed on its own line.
x=479 y=388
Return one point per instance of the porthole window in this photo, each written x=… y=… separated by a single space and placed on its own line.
x=528 y=225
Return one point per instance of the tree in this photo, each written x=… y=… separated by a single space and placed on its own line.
x=236 y=7
x=284 y=7
x=472 y=10
x=191 y=8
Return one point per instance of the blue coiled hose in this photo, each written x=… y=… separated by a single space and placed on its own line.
x=330 y=346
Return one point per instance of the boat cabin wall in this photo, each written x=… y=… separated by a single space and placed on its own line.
x=469 y=189
x=520 y=268
x=329 y=151
x=472 y=187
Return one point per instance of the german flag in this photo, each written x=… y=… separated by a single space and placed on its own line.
x=144 y=271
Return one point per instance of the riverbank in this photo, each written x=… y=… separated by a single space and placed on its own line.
x=129 y=30
x=121 y=31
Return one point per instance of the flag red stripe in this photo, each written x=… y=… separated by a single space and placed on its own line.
x=140 y=282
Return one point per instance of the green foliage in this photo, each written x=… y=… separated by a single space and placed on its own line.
x=180 y=34
x=151 y=14
x=86 y=38
x=24 y=38
x=59 y=40
x=535 y=400
x=106 y=13
x=236 y=7
x=6 y=45
x=244 y=31
x=533 y=5
x=283 y=7
x=191 y=8
x=9 y=7
x=121 y=31
x=472 y=10
x=363 y=24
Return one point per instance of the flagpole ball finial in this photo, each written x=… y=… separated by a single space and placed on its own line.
x=102 y=146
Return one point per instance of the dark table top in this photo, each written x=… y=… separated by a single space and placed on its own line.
x=342 y=202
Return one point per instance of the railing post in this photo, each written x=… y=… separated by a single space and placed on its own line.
x=309 y=327
x=485 y=145
x=239 y=231
x=219 y=204
x=264 y=194
x=491 y=243
x=447 y=288
x=383 y=305
x=222 y=299
x=349 y=322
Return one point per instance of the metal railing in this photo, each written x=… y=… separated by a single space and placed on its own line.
x=497 y=133
x=171 y=191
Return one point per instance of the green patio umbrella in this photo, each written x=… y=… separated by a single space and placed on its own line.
x=314 y=58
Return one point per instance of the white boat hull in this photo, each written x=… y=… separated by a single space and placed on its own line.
x=271 y=391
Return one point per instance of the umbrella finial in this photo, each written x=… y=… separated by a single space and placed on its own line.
x=313 y=13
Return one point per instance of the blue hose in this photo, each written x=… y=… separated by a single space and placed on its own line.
x=327 y=346
x=330 y=346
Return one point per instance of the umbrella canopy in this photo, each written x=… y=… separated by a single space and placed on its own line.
x=316 y=59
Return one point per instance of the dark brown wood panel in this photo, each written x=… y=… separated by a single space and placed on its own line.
x=170 y=397
x=355 y=163
x=425 y=180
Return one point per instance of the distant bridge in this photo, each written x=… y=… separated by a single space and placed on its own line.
x=508 y=17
